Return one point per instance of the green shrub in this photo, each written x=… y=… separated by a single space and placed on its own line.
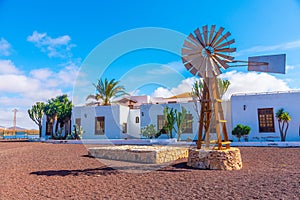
x=149 y=131
x=240 y=131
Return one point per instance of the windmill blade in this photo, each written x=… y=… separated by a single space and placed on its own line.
x=190 y=45
x=209 y=69
x=227 y=50
x=221 y=39
x=201 y=68
x=220 y=63
x=197 y=64
x=194 y=71
x=212 y=31
x=196 y=61
x=183 y=60
x=187 y=65
x=205 y=34
x=189 y=58
x=215 y=67
x=227 y=58
x=199 y=37
x=221 y=29
x=192 y=38
x=216 y=63
x=185 y=51
x=226 y=44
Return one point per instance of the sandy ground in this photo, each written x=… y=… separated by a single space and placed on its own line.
x=64 y=171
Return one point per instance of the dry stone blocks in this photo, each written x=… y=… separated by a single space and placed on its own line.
x=229 y=159
x=140 y=154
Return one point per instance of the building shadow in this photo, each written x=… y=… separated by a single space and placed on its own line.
x=113 y=167
x=103 y=171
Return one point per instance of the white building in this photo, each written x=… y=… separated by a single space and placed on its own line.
x=258 y=112
x=107 y=122
x=126 y=119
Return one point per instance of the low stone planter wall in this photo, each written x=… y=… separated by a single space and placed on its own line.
x=140 y=154
x=229 y=159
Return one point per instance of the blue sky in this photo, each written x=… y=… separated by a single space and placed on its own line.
x=43 y=44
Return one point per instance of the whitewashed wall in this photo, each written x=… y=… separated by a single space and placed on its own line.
x=289 y=101
x=123 y=115
x=134 y=130
x=149 y=114
x=44 y=125
x=113 y=120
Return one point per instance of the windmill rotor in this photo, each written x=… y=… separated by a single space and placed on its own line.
x=206 y=51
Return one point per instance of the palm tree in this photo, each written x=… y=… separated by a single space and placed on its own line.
x=107 y=90
x=283 y=119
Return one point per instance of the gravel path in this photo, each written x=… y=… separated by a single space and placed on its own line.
x=32 y=170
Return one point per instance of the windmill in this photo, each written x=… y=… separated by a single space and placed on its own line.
x=205 y=52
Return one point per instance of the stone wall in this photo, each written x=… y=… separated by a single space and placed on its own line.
x=140 y=154
x=229 y=159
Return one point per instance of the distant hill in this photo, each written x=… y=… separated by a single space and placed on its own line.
x=17 y=127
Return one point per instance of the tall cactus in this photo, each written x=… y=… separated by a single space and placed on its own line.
x=169 y=115
x=180 y=120
x=36 y=114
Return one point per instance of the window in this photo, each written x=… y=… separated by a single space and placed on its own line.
x=137 y=120
x=78 y=122
x=99 y=125
x=161 y=123
x=124 y=128
x=266 y=119
x=188 y=124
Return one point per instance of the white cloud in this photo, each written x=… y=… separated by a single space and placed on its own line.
x=289 y=67
x=259 y=49
x=185 y=86
x=17 y=83
x=41 y=74
x=54 y=47
x=253 y=82
x=250 y=82
x=5 y=48
x=36 y=37
x=8 y=67
x=64 y=78
x=162 y=92
x=69 y=73
x=178 y=66
x=21 y=91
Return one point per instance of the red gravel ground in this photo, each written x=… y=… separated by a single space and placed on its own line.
x=64 y=171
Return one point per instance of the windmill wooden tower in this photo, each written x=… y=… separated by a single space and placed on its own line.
x=204 y=54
